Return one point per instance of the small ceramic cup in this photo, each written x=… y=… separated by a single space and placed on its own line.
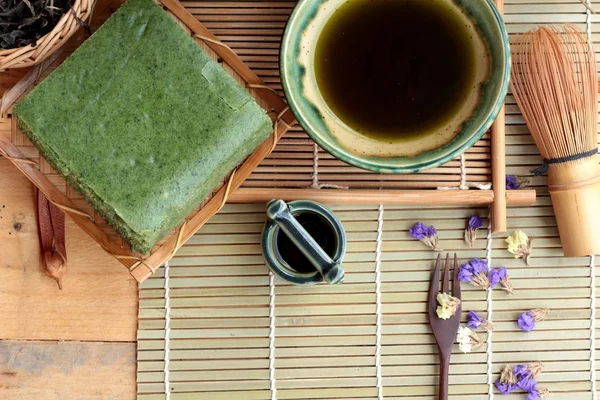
x=298 y=78
x=282 y=221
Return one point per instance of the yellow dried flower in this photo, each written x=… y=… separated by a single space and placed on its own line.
x=519 y=245
x=516 y=240
x=447 y=305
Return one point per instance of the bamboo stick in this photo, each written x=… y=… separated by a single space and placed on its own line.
x=386 y=197
x=498 y=155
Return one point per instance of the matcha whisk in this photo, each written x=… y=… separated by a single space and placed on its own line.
x=555 y=84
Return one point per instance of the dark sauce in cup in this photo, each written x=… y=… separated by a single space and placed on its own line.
x=320 y=230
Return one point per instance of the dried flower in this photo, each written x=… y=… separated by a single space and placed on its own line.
x=507 y=381
x=526 y=375
x=507 y=375
x=426 y=234
x=447 y=305
x=527 y=383
x=475 y=223
x=494 y=277
x=467 y=339
x=527 y=320
x=476 y=321
x=522 y=376
x=537 y=394
x=511 y=182
x=519 y=245
x=535 y=369
x=505 y=280
x=505 y=387
x=475 y=272
x=500 y=276
x=516 y=182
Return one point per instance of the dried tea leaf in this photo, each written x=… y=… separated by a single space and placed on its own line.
x=24 y=22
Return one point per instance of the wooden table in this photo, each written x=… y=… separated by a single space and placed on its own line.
x=78 y=343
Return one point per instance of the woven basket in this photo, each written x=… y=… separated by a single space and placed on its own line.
x=28 y=56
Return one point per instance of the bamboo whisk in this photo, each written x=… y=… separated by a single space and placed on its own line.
x=555 y=84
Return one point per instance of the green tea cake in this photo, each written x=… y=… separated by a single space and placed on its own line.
x=142 y=122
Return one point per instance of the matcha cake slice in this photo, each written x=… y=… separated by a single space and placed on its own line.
x=142 y=122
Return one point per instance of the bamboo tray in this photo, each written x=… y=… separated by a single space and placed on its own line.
x=297 y=168
x=26 y=158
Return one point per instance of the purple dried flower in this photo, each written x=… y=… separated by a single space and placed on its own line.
x=521 y=370
x=527 y=383
x=502 y=273
x=511 y=182
x=426 y=234
x=524 y=377
x=418 y=231
x=534 y=395
x=479 y=266
x=465 y=274
x=430 y=231
x=475 y=222
x=494 y=277
x=526 y=322
x=505 y=282
x=474 y=320
x=528 y=319
x=471 y=232
x=475 y=272
x=504 y=387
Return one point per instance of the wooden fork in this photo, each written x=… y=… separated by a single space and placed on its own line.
x=444 y=330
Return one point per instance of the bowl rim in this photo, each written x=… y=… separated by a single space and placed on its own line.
x=382 y=165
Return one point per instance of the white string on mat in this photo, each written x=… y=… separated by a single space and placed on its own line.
x=464 y=185
x=315 y=175
x=272 y=336
x=592 y=258
x=167 y=333
x=488 y=258
x=378 y=303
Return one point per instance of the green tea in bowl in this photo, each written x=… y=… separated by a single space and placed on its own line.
x=395 y=85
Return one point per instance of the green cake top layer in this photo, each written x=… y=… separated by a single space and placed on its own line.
x=142 y=122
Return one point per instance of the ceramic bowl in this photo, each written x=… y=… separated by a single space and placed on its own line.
x=281 y=217
x=326 y=129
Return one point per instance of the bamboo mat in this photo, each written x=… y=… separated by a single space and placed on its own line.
x=237 y=334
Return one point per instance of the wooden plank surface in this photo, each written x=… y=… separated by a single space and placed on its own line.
x=67 y=371
x=97 y=304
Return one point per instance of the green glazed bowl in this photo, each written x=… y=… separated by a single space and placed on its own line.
x=324 y=127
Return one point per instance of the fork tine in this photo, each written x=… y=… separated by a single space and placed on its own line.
x=446 y=278
x=455 y=281
x=434 y=286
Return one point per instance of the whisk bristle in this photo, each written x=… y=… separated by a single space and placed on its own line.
x=555 y=84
